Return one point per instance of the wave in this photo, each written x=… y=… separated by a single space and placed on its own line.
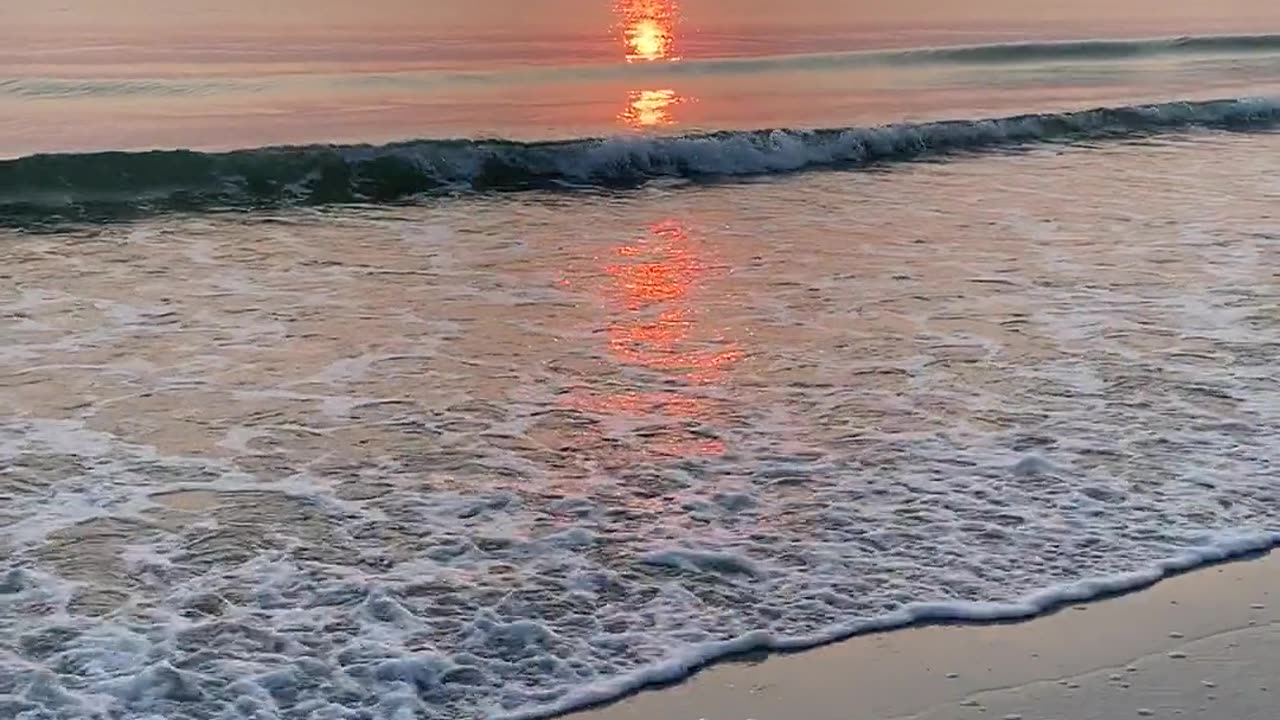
x=1095 y=49
x=1223 y=548
x=1018 y=53
x=64 y=89
x=989 y=54
x=88 y=186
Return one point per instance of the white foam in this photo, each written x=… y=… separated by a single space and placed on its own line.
x=692 y=658
x=438 y=488
x=702 y=561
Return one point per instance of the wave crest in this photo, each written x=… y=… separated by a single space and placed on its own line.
x=86 y=185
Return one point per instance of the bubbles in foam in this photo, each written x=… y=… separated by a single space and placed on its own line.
x=561 y=451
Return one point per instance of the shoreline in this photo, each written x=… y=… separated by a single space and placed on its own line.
x=1216 y=619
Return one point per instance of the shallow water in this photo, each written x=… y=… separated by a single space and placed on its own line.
x=619 y=362
x=491 y=454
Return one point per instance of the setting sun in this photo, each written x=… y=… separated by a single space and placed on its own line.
x=648 y=29
x=648 y=40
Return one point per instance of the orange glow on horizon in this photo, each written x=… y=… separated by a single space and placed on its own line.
x=648 y=29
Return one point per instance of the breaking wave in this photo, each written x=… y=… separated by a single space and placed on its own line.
x=88 y=185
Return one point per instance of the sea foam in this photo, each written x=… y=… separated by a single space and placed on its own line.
x=503 y=457
x=693 y=658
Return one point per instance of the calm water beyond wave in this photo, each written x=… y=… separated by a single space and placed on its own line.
x=391 y=361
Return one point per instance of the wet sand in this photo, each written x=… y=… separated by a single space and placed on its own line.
x=1205 y=644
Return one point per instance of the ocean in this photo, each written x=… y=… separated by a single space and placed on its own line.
x=476 y=360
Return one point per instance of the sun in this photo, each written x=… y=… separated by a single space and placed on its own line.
x=649 y=41
x=648 y=29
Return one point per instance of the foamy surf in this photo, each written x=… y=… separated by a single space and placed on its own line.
x=305 y=481
x=102 y=184
x=690 y=660
x=508 y=456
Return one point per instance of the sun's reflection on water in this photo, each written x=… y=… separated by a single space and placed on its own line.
x=648 y=31
x=657 y=326
x=651 y=108
x=660 y=272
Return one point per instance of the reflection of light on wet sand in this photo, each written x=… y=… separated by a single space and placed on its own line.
x=650 y=108
x=648 y=29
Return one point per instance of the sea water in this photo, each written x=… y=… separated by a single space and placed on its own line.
x=479 y=424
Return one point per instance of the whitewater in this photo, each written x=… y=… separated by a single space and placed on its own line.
x=469 y=471
x=101 y=184
x=619 y=369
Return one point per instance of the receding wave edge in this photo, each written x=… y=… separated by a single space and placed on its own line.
x=89 y=185
x=1226 y=546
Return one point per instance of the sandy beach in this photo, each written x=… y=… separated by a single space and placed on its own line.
x=1203 y=644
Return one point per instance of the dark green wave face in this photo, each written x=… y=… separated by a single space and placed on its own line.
x=107 y=185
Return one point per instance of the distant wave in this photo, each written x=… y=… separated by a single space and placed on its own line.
x=103 y=184
x=991 y=54
x=1097 y=49
x=995 y=54
x=1019 y=53
x=41 y=88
